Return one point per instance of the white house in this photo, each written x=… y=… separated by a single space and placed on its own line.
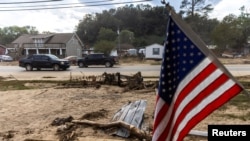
x=154 y=52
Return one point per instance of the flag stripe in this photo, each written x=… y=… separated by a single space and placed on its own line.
x=162 y=108
x=207 y=106
x=183 y=97
x=167 y=117
x=192 y=100
x=190 y=91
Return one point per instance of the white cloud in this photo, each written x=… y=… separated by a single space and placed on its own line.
x=226 y=7
x=65 y=20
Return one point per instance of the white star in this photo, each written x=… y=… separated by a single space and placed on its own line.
x=163 y=90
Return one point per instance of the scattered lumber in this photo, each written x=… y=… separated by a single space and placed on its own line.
x=140 y=134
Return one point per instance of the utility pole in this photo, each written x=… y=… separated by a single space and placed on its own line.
x=119 y=46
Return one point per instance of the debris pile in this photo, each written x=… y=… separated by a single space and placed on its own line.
x=134 y=82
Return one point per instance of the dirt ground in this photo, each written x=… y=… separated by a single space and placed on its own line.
x=27 y=115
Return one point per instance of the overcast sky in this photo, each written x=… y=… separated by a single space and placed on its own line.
x=65 y=19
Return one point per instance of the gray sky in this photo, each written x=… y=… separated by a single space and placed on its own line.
x=65 y=19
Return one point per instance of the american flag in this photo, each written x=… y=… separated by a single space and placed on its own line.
x=192 y=84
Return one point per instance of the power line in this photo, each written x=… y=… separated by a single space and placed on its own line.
x=63 y=7
x=29 y=2
x=70 y=4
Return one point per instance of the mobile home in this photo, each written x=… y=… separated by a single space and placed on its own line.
x=154 y=52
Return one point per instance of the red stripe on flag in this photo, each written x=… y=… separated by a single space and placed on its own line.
x=193 y=103
x=193 y=83
x=199 y=78
x=226 y=96
x=160 y=114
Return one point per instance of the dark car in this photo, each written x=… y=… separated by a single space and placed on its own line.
x=40 y=61
x=97 y=59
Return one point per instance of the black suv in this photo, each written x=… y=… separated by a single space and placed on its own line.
x=97 y=59
x=39 y=61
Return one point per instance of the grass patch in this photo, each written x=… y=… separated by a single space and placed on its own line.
x=20 y=85
x=241 y=101
x=12 y=85
x=243 y=117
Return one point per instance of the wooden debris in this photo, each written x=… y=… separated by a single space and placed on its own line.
x=134 y=82
x=140 y=134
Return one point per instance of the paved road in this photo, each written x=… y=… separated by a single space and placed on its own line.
x=22 y=74
x=146 y=70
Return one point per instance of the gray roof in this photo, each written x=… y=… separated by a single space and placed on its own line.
x=52 y=38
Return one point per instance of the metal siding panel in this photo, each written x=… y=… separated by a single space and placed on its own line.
x=131 y=114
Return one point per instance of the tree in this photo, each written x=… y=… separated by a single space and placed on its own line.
x=104 y=46
x=190 y=7
x=244 y=25
x=126 y=37
x=228 y=33
x=202 y=26
x=106 y=34
x=9 y=34
x=88 y=29
x=143 y=20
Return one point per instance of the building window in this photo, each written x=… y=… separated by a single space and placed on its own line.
x=38 y=42
x=156 y=51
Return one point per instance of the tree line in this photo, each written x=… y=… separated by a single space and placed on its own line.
x=141 y=25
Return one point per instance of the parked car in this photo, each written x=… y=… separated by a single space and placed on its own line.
x=6 y=58
x=40 y=61
x=97 y=59
x=72 y=59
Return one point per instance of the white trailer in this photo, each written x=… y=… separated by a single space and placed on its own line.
x=154 y=52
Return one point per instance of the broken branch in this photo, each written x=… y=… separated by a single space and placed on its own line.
x=133 y=130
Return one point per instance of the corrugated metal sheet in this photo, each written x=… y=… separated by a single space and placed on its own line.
x=131 y=113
